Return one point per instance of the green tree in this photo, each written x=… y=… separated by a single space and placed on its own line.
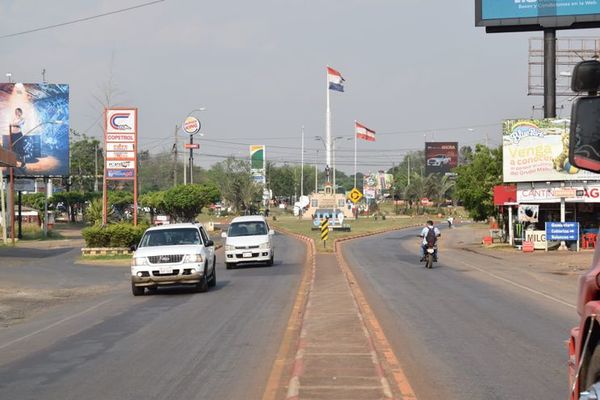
x=155 y=201
x=475 y=182
x=85 y=152
x=185 y=202
x=119 y=201
x=73 y=202
x=236 y=184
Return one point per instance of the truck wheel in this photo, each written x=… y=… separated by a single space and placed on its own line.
x=592 y=378
x=137 y=290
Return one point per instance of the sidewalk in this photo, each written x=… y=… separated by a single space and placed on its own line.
x=336 y=358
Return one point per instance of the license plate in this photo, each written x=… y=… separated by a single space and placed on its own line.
x=247 y=255
x=165 y=270
x=430 y=251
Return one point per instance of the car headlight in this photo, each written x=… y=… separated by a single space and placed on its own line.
x=265 y=245
x=139 y=261
x=193 y=258
x=229 y=247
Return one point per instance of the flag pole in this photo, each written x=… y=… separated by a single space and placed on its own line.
x=328 y=126
x=302 y=166
x=355 y=143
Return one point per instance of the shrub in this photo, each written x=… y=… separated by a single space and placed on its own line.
x=114 y=235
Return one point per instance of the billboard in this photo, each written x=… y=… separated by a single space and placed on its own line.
x=512 y=15
x=538 y=151
x=257 y=163
x=440 y=157
x=34 y=117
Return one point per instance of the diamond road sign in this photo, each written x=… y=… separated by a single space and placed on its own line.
x=355 y=195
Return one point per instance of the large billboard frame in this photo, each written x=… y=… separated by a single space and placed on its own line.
x=523 y=24
x=42 y=128
x=444 y=164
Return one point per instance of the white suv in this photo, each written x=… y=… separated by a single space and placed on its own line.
x=248 y=239
x=174 y=254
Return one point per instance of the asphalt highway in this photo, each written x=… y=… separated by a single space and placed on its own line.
x=173 y=345
x=475 y=326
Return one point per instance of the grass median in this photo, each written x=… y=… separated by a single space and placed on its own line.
x=364 y=225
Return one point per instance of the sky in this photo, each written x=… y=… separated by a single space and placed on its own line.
x=415 y=70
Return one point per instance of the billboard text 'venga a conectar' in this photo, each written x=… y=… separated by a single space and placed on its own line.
x=538 y=151
x=34 y=121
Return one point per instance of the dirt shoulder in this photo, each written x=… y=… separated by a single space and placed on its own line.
x=469 y=238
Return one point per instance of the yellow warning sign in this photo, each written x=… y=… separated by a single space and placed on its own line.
x=355 y=195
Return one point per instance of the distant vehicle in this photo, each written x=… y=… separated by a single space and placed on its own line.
x=248 y=240
x=438 y=160
x=177 y=254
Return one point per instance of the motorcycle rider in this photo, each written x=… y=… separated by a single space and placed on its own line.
x=429 y=236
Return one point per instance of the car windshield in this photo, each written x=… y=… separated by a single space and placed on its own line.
x=249 y=228
x=170 y=237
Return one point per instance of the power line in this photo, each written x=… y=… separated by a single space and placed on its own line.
x=75 y=21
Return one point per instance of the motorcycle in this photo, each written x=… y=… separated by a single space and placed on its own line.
x=429 y=256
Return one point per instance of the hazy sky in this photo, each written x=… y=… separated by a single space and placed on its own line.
x=412 y=68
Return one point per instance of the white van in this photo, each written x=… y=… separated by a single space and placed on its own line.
x=248 y=240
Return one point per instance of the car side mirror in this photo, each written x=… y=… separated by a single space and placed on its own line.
x=210 y=243
x=133 y=247
x=271 y=232
x=224 y=235
x=584 y=137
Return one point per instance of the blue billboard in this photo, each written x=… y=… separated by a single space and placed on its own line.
x=34 y=122
x=559 y=231
x=510 y=9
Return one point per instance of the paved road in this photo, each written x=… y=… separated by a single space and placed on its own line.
x=471 y=328
x=173 y=345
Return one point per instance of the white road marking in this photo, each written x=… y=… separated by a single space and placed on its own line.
x=87 y=310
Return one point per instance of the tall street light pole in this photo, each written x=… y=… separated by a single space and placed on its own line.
x=302 y=166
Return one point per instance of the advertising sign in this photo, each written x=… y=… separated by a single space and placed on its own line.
x=538 y=151
x=121 y=120
x=35 y=118
x=25 y=185
x=535 y=14
x=257 y=163
x=588 y=193
x=191 y=125
x=121 y=142
x=568 y=231
x=440 y=157
x=120 y=146
x=528 y=213
x=538 y=238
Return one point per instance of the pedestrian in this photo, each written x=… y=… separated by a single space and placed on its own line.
x=450 y=221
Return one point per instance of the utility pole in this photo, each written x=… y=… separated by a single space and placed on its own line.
x=316 y=172
x=175 y=156
x=95 y=167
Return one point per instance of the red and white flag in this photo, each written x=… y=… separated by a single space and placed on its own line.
x=362 y=132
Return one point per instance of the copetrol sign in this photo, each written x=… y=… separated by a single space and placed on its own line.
x=121 y=120
x=551 y=194
x=538 y=151
x=562 y=231
x=511 y=15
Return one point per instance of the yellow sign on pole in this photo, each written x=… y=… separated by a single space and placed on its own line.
x=355 y=195
x=325 y=230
